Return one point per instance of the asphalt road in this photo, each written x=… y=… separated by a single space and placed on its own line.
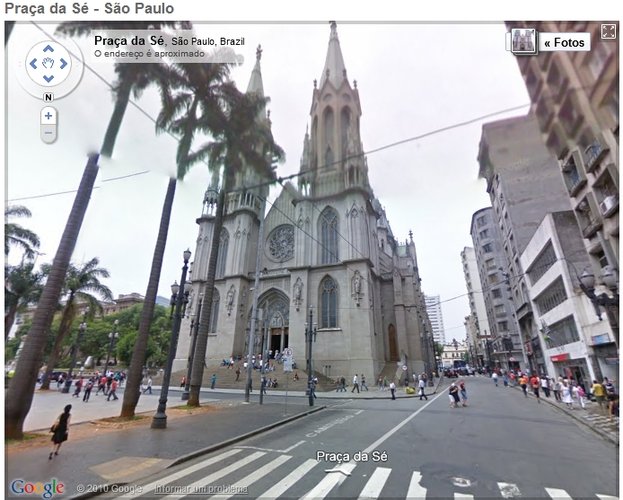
x=500 y=446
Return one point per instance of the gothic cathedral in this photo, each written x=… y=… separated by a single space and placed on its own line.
x=327 y=246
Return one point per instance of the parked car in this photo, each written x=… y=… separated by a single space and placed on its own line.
x=54 y=376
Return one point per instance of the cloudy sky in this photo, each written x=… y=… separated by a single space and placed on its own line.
x=412 y=78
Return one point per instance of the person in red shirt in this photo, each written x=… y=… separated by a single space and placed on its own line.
x=113 y=390
x=535 y=382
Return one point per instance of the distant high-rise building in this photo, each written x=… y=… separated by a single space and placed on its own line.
x=433 y=308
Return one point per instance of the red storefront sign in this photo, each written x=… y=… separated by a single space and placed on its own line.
x=560 y=357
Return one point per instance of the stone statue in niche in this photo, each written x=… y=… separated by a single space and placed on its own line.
x=229 y=303
x=356 y=287
x=298 y=293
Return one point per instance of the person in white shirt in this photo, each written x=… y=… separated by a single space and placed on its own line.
x=392 y=388
x=355 y=384
x=422 y=385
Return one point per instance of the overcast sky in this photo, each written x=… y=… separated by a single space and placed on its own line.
x=412 y=79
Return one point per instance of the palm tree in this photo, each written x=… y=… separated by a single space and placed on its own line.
x=81 y=284
x=14 y=234
x=22 y=286
x=242 y=142
x=19 y=396
x=189 y=93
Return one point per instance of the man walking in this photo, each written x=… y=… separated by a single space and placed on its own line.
x=213 y=381
x=535 y=382
x=422 y=385
x=237 y=373
x=87 y=391
x=355 y=384
x=148 y=387
x=494 y=376
x=392 y=389
x=113 y=391
x=363 y=382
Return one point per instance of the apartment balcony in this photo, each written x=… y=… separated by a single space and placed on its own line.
x=595 y=153
x=591 y=227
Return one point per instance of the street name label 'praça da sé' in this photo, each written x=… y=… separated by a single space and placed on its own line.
x=83 y=8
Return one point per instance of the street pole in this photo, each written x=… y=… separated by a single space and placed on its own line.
x=310 y=334
x=191 y=354
x=112 y=336
x=159 y=420
x=263 y=366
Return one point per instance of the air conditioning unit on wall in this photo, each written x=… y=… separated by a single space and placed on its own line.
x=609 y=205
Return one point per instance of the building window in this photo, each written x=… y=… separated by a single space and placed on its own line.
x=216 y=298
x=488 y=248
x=221 y=258
x=542 y=263
x=481 y=221
x=328 y=236
x=497 y=293
x=484 y=233
x=328 y=312
x=561 y=333
x=551 y=297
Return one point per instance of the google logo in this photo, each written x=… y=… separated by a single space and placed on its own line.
x=46 y=490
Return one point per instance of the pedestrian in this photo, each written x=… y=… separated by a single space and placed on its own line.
x=149 y=384
x=59 y=383
x=454 y=394
x=422 y=386
x=513 y=379
x=494 y=376
x=567 y=395
x=545 y=385
x=76 y=393
x=379 y=384
x=392 y=389
x=463 y=391
x=363 y=382
x=505 y=379
x=101 y=386
x=60 y=430
x=385 y=385
x=237 y=373
x=183 y=382
x=108 y=384
x=113 y=391
x=558 y=389
x=355 y=384
x=599 y=392
x=523 y=382
x=579 y=394
x=213 y=381
x=535 y=383
x=87 y=391
x=262 y=387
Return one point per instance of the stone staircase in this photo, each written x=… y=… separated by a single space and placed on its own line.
x=391 y=371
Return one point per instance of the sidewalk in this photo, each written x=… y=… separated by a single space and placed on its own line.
x=592 y=417
x=97 y=455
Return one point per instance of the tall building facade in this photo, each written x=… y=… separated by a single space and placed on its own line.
x=433 y=308
x=502 y=342
x=575 y=97
x=477 y=323
x=524 y=185
x=327 y=246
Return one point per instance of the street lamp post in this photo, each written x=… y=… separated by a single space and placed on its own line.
x=112 y=336
x=159 y=420
x=191 y=354
x=74 y=348
x=310 y=336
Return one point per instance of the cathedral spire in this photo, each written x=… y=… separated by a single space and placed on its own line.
x=255 y=83
x=334 y=68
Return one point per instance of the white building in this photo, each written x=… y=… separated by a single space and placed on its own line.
x=570 y=340
x=433 y=308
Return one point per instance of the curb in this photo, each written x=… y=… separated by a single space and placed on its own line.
x=105 y=488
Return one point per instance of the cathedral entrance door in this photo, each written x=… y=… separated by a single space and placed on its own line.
x=278 y=339
x=393 y=343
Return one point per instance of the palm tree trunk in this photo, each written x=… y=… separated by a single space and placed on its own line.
x=206 y=309
x=66 y=320
x=21 y=390
x=135 y=373
x=121 y=104
x=9 y=319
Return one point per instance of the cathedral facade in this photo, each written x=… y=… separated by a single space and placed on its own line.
x=325 y=246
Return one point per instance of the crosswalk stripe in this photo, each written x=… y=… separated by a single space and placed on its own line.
x=463 y=495
x=281 y=487
x=195 y=487
x=254 y=476
x=607 y=497
x=323 y=488
x=148 y=488
x=415 y=490
x=558 y=494
x=509 y=490
x=375 y=484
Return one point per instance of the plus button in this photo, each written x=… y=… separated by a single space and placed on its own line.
x=48 y=115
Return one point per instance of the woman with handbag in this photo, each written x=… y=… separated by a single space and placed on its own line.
x=60 y=431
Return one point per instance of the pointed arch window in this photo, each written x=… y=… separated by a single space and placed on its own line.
x=216 y=299
x=221 y=259
x=328 y=303
x=328 y=236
